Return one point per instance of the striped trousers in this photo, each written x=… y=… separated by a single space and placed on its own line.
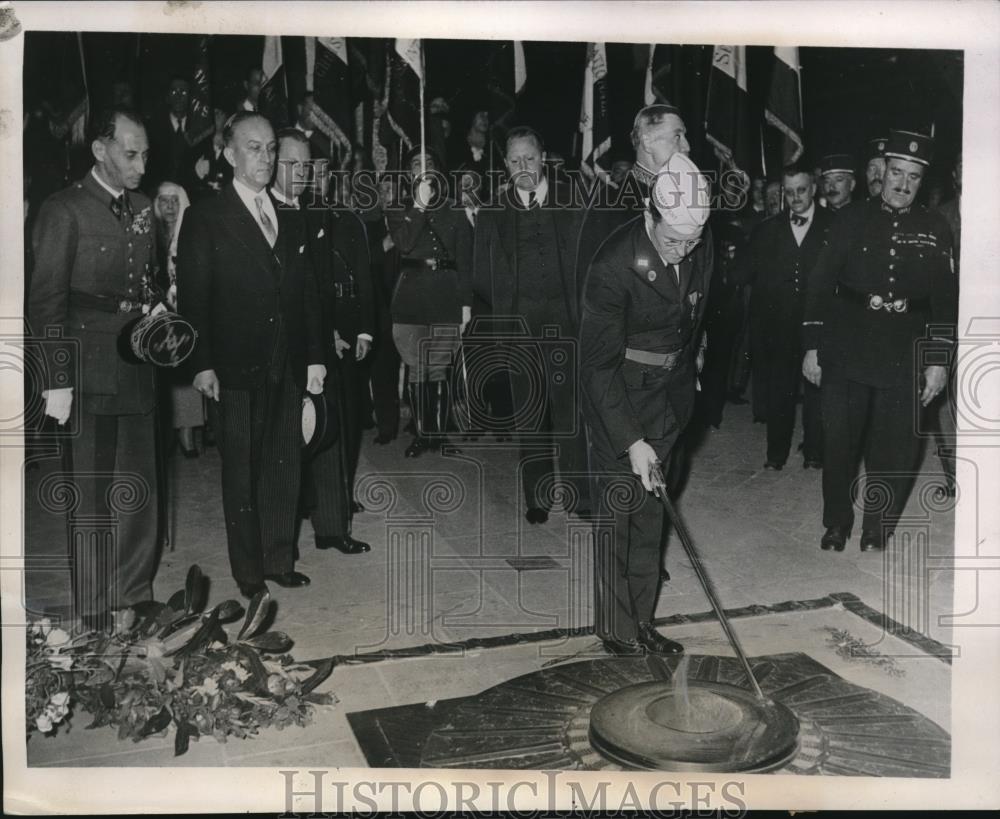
x=259 y=436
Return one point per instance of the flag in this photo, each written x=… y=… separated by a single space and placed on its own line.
x=658 y=75
x=727 y=111
x=367 y=60
x=201 y=118
x=328 y=75
x=405 y=73
x=784 y=101
x=273 y=100
x=507 y=75
x=595 y=117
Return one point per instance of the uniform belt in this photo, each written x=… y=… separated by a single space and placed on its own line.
x=345 y=290
x=877 y=302
x=666 y=360
x=427 y=264
x=106 y=304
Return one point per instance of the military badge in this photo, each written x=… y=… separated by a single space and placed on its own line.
x=651 y=275
x=142 y=221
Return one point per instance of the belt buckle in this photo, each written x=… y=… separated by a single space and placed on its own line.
x=875 y=302
x=900 y=305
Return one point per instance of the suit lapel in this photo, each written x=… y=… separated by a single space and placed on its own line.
x=247 y=232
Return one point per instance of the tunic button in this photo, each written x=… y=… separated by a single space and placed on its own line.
x=892 y=252
x=891 y=279
x=895 y=224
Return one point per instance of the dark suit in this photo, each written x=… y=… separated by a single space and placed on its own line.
x=219 y=174
x=872 y=359
x=781 y=269
x=82 y=251
x=525 y=269
x=171 y=154
x=257 y=314
x=633 y=300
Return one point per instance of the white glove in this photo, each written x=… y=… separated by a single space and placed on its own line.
x=201 y=168
x=315 y=375
x=466 y=318
x=58 y=403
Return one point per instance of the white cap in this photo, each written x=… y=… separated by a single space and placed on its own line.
x=682 y=195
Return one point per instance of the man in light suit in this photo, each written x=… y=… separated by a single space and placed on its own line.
x=246 y=284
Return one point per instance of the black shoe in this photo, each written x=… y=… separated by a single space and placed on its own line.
x=812 y=463
x=249 y=590
x=289 y=580
x=871 y=541
x=664 y=575
x=656 y=643
x=536 y=515
x=739 y=400
x=385 y=438
x=835 y=538
x=188 y=453
x=356 y=508
x=623 y=648
x=345 y=544
x=777 y=467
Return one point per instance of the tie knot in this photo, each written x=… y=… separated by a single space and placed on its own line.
x=798 y=219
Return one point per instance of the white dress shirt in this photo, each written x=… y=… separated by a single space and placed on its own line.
x=248 y=197
x=541 y=193
x=114 y=193
x=800 y=231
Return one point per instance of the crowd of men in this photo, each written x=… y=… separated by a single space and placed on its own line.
x=610 y=303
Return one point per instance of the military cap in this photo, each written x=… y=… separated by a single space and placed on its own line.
x=836 y=163
x=876 y=148
x=681 y=196
x=909 y=145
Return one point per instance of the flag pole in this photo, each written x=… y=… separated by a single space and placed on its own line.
x=423 y=124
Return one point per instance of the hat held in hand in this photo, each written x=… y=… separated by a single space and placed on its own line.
x=681 y=195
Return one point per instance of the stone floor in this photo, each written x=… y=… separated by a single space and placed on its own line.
x=442 y=530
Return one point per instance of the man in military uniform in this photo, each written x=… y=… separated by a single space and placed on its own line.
x=882 y=284
x=875 y=167
x=837 y=172
x=783 y=251
x=94 y=247
x=642 y=308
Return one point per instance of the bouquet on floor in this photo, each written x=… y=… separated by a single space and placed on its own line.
x=174 y=666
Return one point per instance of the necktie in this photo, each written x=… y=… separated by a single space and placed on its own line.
x=265 y=221
x=798 y=220
x=531 y=200
x=121 y=207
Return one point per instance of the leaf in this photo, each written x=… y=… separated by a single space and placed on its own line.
x=178 y=623
x=176 y=601
x=158 y=722
x=324 y=668
x=107 y=695
x=229 y=610
x=274 y=642
x=256 y=612
x=186 y=731
x=195 y=590
x=258 y=673
x=201 y=636
x=176 y=641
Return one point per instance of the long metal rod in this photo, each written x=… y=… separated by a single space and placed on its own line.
x=660 y=489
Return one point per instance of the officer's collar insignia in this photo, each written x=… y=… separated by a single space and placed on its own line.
x=642 y=262
x=889 y=209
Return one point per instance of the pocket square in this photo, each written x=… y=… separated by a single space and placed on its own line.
x=302 y=249
x=321 y=234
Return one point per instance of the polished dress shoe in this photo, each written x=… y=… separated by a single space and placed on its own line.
x=656 y=643
x=345 y=544
x=536 y=515
x=189 y=452
x=739 y=400
x=664 y=575
x=249 y=590
x=777 y=467
x=288 y=580
x=871 y=541
x=945 y=490
x=623 y=648
x=356 y=508
x=384 y=438
x=416 y=448
x=834 y=538
x=812 y=463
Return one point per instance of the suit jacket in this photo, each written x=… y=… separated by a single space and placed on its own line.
x=240 y=294
x=82 y=249
x=622 y=307
x=780 y=272
x=220 y=172
x=496 y=273
x=338 y=245
x=171 y=156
